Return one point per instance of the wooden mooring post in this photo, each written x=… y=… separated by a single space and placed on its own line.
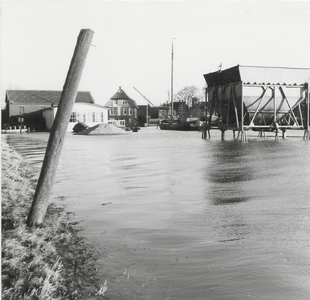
x=205 y=130
x=46 y=180
x=307 y=129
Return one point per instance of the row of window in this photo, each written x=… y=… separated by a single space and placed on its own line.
x=87 y=117
x=119 y=102
x=126 y=110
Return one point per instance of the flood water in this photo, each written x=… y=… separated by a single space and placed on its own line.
x=186 y=218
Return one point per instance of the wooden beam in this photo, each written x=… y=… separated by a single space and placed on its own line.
x=46 y=180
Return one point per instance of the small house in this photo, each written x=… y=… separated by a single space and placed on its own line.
x=122 y=109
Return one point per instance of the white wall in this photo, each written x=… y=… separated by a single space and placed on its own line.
x=91 y=114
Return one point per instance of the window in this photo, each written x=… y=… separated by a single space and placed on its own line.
x=102 y=117
x=124 y=111
x=88 y=117
x=124 y=101
x=130 y=111
x=113 y=111
x=21 y=110
x=73 y=117
x=94 y=117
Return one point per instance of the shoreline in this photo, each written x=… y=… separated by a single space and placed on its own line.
x=48 y=262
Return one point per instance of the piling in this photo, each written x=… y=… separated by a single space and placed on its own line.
x=307 y=129
x=222 y=135
x=46 y=180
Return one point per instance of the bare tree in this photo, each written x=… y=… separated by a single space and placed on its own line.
x=191 y=95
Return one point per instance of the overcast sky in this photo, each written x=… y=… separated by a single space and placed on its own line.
x=132 y=43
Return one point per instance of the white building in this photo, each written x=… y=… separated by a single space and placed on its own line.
x=90 y=114
x=38 y=109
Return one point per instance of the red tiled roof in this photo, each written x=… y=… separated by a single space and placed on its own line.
x=32 y=97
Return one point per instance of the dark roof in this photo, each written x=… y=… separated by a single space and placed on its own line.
x=121 y=95
x=43 y=97
x=254 y=74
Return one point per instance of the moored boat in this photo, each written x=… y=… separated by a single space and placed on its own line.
x=186 y=124
x=180 y=121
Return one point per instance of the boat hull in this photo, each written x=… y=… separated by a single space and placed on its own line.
x=178 y=125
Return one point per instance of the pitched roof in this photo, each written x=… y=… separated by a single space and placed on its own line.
x=121 y=95
x=43 y=97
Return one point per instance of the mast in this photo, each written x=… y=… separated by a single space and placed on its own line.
x=172 y=82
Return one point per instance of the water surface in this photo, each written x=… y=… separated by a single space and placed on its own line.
x=186 y=218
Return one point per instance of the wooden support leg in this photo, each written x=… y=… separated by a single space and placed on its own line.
x=223 y=135
x=283 y=134
x=276 y=135
x=261 y=133
x=307 y=135
x=238 y=135
x=243 y=136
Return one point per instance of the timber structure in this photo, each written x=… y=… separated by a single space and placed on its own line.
x=262 y=99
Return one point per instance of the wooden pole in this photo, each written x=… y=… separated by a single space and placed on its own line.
x=21 y=124
x=307 y=132
x=172 y=82
x=57 y=135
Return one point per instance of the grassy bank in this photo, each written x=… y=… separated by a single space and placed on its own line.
x=49 y=262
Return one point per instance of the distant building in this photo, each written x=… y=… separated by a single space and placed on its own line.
x=162 y=112
x=122 y=109
x=37 y=109
x=145 y=111
x=203 y=107
x=180 y=109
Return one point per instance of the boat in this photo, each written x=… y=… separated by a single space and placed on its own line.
x=178 y=122
x=80 y=126
x=185 y=124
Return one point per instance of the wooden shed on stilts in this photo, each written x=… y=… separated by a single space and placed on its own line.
x=262 y=99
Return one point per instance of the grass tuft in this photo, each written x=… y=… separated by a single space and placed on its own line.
x=46 y=262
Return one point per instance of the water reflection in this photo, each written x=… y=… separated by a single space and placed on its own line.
x=228 y=200
x=228 y=171
x=226 y=176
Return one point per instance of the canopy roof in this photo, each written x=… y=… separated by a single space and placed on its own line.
x=258 y=75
